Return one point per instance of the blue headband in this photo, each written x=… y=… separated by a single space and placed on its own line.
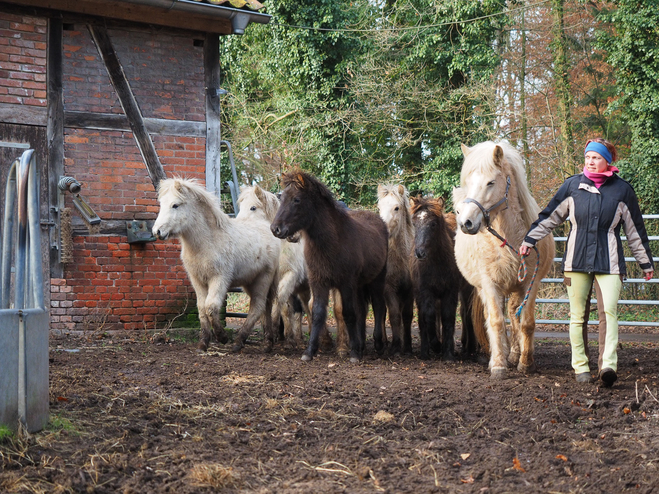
x=600 y=149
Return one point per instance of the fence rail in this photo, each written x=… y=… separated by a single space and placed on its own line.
x=653 y=281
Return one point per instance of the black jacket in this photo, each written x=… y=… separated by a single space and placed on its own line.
x=596 y=215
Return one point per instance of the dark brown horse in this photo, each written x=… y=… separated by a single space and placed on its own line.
x=343 y=249
x=438 y=284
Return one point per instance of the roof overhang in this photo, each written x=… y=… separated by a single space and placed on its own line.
x=239 y=18
x=185 y=14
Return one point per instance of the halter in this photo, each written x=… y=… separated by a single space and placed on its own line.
x=521 y=273
x=486 y=212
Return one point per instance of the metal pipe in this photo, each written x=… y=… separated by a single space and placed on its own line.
x=8 y=235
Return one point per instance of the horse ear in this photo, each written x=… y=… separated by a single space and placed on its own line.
x=465 y=150
x=382 y=191
x=258 y=191
x=497 y=155
x=299 y=178
x=401 y=190
x=441 y=202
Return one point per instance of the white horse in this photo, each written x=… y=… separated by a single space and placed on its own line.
x=494 y=196
x=258 y=204
x=219 y=252
x=394 y=207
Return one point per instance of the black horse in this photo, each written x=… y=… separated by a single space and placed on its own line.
x=344 y=249
x=438 y=283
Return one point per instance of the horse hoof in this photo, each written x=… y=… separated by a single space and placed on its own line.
x=498 y=374
x=222 y=336
x=202 y=346
x=424 y=356
x=527 y=369
x=513 y=359
x=355 y=360
x=268 y=347
x=448 y=358
x=306 y=358
x=237 y=347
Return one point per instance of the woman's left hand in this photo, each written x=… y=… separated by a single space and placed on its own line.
x=648 y=276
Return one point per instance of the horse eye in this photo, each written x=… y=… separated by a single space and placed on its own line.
x=174 y=206
x=253 y=208
x=396 y=208
x=296 y=200
x=490 y=184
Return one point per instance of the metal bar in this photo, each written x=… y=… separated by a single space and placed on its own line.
x=7 y=235
x=596 y=323
x=628 y=280
x=594 y=301
x=16 y=145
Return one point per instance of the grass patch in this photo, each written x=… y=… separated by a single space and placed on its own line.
x=57 y=424
x=5 y=433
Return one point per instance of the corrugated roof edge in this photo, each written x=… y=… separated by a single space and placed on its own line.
x=239 y=18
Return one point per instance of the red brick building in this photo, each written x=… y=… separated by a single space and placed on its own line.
x=116 y=104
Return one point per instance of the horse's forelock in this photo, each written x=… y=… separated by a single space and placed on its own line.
x=434 y=205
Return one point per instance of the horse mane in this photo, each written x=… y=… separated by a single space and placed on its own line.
x=190 y=189
x=302 y=180
x=481 y=158
x=267 y=199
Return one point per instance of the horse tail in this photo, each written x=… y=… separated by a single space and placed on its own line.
x=478 y=321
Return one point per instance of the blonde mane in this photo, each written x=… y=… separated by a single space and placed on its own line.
x=481 y=158
x=184 y=189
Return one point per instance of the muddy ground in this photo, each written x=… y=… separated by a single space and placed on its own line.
x=134 y=415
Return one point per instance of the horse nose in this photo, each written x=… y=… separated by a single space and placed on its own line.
x=277 y=231
x=420 y=253
x=469 y=227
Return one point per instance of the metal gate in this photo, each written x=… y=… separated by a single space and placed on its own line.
x=24 y=319
x=593 y=301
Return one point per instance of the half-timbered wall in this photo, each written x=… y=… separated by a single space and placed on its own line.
x=111 y=284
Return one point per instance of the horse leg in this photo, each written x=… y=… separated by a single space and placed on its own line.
x=468 y=334
x=258 y=296
x=395 y=321
x=449 y=306
x=407 y=310
x=319 y=317
x=351 y=304
x=268 y=330
x=376 y=291
x=526 y=341
x=342 y=340
x=427 y=320
x=215 y=298
x=514 y=300
x=496 y=332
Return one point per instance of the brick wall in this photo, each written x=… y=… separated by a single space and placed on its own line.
x=22 y=60
x=111 y=284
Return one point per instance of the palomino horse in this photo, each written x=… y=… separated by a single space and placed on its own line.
x=493 y=197
x=344 y=249
x=218 y=253
x=438 y=283
x=394 y=207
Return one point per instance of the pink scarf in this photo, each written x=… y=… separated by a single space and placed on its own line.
x=599 y=178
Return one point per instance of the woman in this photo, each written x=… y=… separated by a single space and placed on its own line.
x=597 y=203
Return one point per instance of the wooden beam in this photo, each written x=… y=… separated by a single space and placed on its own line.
x=115 y=121
x=23 y=114
x=128 y=103
x=213 y=134
x=55 y=140
x=136 y=13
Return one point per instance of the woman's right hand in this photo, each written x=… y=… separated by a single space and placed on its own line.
x=524 y=250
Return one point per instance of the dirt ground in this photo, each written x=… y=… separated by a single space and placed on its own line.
x=140 y=415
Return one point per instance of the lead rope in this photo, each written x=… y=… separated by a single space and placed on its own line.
x=521 y=272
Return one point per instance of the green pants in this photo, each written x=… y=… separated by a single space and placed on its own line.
x=578 y=290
